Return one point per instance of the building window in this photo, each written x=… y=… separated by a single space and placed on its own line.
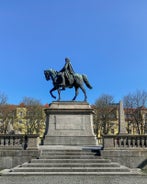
x=145 y=127
x=20 y=121
x=112 y=115
x=20 y=114
x=128 y=116
x=112 y=131
x=129 y=131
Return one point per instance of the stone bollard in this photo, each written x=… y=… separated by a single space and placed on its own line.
x=108 y=141
x=32 y=142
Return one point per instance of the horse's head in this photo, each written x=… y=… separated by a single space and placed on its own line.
x=50 y=73
x=47 y=74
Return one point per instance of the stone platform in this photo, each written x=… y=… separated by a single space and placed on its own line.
x=70 y=160
x=70 y=154
x=74 y=165
x=69 y=123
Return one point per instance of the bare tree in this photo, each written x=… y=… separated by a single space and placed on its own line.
x=29 y=101
x=7 y=113
x=136 y=99
x=105 y=112
x=35 y=115
x=35 y=119
x=3 y=98
x=134 y=103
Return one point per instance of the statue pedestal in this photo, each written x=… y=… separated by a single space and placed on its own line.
x=69 y=123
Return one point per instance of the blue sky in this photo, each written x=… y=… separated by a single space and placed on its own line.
x=104 y=39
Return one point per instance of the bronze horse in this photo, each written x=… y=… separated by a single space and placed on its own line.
x=77 y=82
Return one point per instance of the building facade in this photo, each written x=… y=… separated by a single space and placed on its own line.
x=107 y=120
x=22 y=119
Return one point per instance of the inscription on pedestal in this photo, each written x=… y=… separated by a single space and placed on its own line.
x=67 y=122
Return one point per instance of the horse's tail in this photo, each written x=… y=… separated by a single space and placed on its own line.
x=86 y=81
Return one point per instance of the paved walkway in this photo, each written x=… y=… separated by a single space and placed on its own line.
x=73 y=179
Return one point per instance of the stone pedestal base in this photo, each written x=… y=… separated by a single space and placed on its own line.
x=69 y=123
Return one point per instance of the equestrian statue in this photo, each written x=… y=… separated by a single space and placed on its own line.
x=67 y=78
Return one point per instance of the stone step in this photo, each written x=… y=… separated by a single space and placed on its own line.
x=77 y=174
x=68 y=156
x=75 y=160
x=42 y=164
x=68 y=153
x=69 y=162
x=69 y=150
x=71 y=169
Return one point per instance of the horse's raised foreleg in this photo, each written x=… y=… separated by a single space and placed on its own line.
x=53 y=89
x=76 y=93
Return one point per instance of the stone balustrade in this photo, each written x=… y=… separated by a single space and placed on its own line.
x=124 y=141
x=18 y=141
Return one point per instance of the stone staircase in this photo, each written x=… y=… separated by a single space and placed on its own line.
x=69 y=161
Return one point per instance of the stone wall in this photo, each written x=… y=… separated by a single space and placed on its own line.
x=128 y=150
x=12 y=158
x=136 y=158
x=17 y=149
